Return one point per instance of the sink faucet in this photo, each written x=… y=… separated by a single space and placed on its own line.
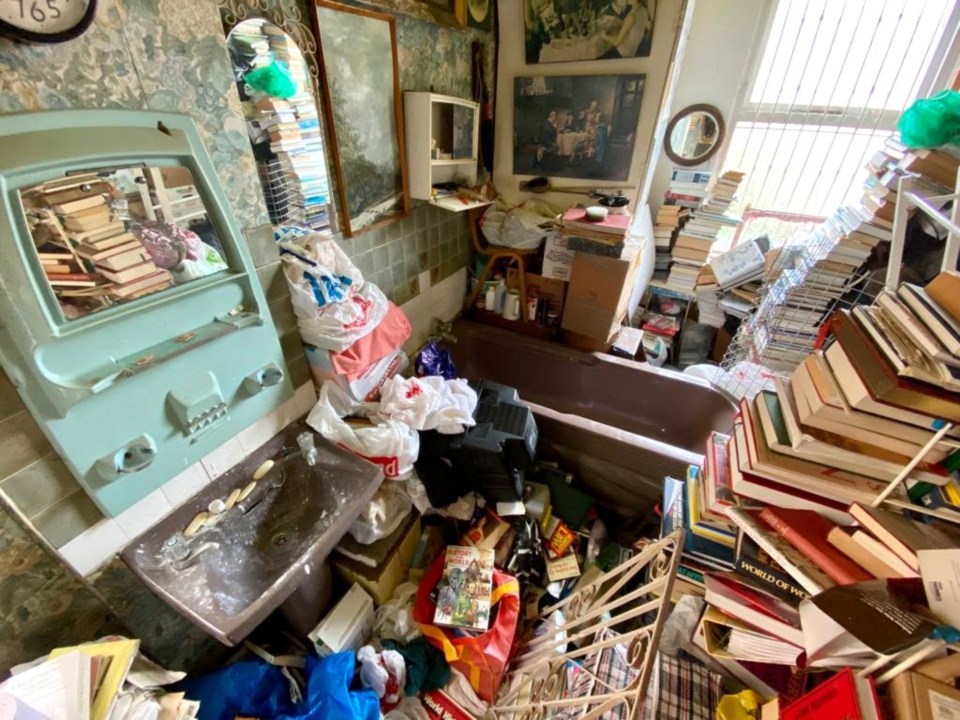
x=442 y=331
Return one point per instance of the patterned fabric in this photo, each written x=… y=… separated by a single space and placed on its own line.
x=602 y=673
x=681 y=690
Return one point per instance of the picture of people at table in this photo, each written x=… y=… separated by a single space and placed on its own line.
x=568 y=30
x=582 y=126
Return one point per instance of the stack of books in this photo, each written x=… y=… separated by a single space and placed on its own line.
x=607 y=237
x=670 y=219
x=89 y=252
x=695 y=239
x=791 y=491
x=295 y=173
x=730 y=283
x=663 y=319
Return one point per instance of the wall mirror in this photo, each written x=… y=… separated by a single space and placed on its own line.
x=115 y=234
x=361 y=84
x=276 y=88
x=694 y=135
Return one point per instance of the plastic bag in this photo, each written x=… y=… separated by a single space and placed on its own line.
x=394 y=619
x=273 y=79
x=391 y=445
x=482 y=658
x=382 y=515
x=339 y=325
x=434 y=360
x=178 y=250
x=429 y=403
x=517 y=227
x=931 y=122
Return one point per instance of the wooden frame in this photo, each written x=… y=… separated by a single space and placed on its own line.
x=352 y=221
x=699 y=159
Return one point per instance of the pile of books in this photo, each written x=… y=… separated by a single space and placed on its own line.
x=821 y=274
x=294 y=171
x=782 y=511
x=695 y=239
x=730 y=283
x=88 y=251
x=670 y=219
x=607 y=237
x=97 y=680
x=663 y=319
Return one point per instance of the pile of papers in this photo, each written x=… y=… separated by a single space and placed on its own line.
x=104 y=680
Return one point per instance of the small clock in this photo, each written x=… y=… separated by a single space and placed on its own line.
x=45 y=21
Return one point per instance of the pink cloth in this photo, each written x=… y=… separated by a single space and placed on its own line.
x=392 y=332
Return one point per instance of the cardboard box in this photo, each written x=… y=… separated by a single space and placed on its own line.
x=599 y=292
x=557 y=258
x=544 y=288
x=917 y=697
x=347 y=626
x=379 y=567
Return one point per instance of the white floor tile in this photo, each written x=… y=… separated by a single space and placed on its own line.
x=94 y=547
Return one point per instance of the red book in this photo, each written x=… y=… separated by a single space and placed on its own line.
x=807 y=531
x=611 y=224
x=843 y=696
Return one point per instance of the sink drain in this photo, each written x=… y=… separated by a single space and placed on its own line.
x=279 y=540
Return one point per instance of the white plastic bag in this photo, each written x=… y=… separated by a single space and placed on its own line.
x=429 y=403
x=517 y=227
x=394 y=619
x=387 y=509
x=339 y=325
x=391 y=445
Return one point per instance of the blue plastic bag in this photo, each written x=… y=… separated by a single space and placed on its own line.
x=254 y=688
x=434 y=360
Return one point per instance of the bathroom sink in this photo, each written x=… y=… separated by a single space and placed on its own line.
x=231 y=574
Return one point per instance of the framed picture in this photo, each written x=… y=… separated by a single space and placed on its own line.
x=569 y=30
x=576 y=126
x=357 y=51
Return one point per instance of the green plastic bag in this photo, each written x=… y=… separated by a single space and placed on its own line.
x=931 y=122
x=273 y=79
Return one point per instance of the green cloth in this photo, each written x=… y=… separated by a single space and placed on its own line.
x=427 y=668
x=273 y=79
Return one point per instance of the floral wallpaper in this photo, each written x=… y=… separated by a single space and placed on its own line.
x=166 y=55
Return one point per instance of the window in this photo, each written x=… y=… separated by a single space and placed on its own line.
x=832 y=78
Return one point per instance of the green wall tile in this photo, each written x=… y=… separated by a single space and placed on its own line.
x=21 y=443
x=40 y=486
x=263 y=248
x=68 y=518
x=272 y=281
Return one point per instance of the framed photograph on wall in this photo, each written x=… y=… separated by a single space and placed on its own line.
x=571 y=30
x=576 y=126
x=357 y=51
x=480 y=14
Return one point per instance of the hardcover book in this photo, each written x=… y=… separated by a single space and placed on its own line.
x=464 y=590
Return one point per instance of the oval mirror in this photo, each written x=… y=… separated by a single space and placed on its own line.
x=283 y=123
x=694 y=135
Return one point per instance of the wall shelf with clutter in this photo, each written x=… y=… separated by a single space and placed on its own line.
x=442 y=135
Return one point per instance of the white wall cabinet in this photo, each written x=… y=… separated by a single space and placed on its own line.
x=442 y=145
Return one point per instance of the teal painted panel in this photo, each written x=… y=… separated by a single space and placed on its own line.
x=131 y=395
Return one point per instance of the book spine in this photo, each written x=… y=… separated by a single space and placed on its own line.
x=821 y=559
x=756 y=533
x=778 y=582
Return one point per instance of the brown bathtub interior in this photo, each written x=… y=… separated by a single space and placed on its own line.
x=621 y=426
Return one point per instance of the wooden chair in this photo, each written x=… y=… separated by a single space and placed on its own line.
x=496 y=253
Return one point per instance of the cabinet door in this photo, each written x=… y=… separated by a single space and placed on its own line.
x=464 y=135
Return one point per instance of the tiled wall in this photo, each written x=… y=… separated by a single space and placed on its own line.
x=171 y=56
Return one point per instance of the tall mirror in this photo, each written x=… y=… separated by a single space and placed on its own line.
x=283 y=123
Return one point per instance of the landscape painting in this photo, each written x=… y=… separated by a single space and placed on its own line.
x=576 y=126
x=360 y=78
x=571 y=30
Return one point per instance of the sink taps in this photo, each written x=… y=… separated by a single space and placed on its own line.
x=442 y=331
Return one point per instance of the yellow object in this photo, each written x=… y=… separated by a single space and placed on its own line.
x=264 y=468
x=196 y=524
x=247 y=490
x=745 y=705
x=120 y=654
